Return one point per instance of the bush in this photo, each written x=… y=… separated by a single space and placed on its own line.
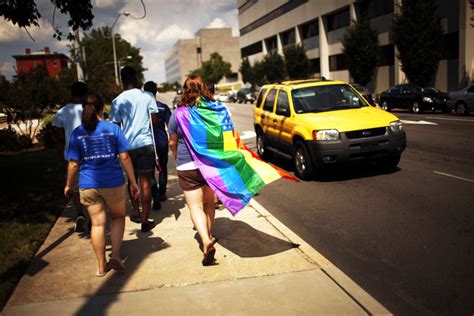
x=8 y=140
x=46 y=136
x=24 y=141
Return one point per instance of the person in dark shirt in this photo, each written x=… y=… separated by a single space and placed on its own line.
x=160 y=122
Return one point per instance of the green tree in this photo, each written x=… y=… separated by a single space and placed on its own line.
x=418 y=33
x=24 y=13
x=247 y=71
x=270 y=69
x=100 y=61
x=360 y=49
x=297 y=63
x=214 y=69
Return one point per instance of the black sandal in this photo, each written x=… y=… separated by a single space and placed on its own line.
x=209 y=257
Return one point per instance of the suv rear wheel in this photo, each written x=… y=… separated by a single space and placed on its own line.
x=261 y=147
x=302 y=161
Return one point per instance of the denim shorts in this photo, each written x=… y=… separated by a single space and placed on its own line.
x=143 y=159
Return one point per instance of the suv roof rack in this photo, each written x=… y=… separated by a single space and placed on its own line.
x=296 y=81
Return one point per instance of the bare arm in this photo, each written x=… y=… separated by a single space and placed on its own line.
x=173 y=144
x=71 y=174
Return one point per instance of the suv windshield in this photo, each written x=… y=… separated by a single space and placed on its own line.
x=326 y=98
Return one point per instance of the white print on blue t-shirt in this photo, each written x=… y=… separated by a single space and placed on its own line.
x=97 y=147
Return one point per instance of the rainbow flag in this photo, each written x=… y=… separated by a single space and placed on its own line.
x=232 y=171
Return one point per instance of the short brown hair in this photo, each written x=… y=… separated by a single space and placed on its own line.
x=193 y=88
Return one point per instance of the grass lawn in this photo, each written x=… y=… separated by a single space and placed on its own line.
x=30 y=201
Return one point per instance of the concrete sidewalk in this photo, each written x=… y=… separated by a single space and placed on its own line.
x=262 y=268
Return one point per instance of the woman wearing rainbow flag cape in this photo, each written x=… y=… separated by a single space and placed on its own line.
x=210 y=159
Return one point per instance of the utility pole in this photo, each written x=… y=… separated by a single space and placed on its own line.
x=79 y=56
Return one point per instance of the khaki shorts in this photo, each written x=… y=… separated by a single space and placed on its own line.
x=190 y=180
x=106 y=196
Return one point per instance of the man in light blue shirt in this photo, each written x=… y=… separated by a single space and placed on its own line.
x=66 y=120
x=132 y=109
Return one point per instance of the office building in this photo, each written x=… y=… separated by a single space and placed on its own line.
x=272 y=25
x=189 y=54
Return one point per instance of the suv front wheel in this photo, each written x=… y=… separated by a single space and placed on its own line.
x=302 y=161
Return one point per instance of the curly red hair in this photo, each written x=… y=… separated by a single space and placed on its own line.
x=193 y=88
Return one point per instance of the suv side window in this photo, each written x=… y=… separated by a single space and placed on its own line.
x=283 y=106
x=269 y=101
x=260 y=97
x=470 y=90
x=395 y=89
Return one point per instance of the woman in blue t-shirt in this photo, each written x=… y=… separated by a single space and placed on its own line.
x=96 y=148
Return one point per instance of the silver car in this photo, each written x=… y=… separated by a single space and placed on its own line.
x=462 y=101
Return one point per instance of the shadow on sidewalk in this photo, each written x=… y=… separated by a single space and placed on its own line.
x=246 y=241
x=136 y=251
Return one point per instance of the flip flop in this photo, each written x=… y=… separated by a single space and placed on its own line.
x=116 y=264
x=209 y=257
x=102 y=274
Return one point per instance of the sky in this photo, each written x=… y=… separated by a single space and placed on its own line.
x=166 y=22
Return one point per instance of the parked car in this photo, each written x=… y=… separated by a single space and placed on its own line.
x=232 y=96
x=414 y=98
x=246 y=95
x=462 y=101
x=175 y=101
x=223 y=97
x=319 y=124
x=365 y=93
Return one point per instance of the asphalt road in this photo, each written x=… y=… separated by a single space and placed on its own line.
x=406 y=236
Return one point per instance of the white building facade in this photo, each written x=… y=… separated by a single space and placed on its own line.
x=272 y=25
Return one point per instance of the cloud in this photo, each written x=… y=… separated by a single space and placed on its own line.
x=103 y=3
x=173 y=33
x=7 y=67
x=9 y=32
x=217 y=23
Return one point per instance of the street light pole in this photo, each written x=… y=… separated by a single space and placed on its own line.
x=113 y=46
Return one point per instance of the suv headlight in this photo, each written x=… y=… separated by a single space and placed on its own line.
x=327 y=134
x=396 y=126
x=427 y=99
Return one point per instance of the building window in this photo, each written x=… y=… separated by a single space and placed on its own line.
x=288 y=37
x=451 y=46
x=338 y=20
x=309 y=29
x=337 y=62
x=252 y=49
x=386 y=55
x=374 y=8
x=315 y=65
x=285 y=8
x=271 y=44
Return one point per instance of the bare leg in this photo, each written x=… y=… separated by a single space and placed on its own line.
x=135 y=202
x=145 y=194
x=117 y=226
x=98 y=218
x=209 y=207
x=194 y=200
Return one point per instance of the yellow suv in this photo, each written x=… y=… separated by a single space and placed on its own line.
x=322 y=123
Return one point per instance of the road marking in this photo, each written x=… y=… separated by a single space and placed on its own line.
x=418 y=122
x=248 y=135
x=448 y=119
x=452 y=176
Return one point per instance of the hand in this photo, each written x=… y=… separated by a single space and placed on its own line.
x=67 y=191
x=134 y=191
